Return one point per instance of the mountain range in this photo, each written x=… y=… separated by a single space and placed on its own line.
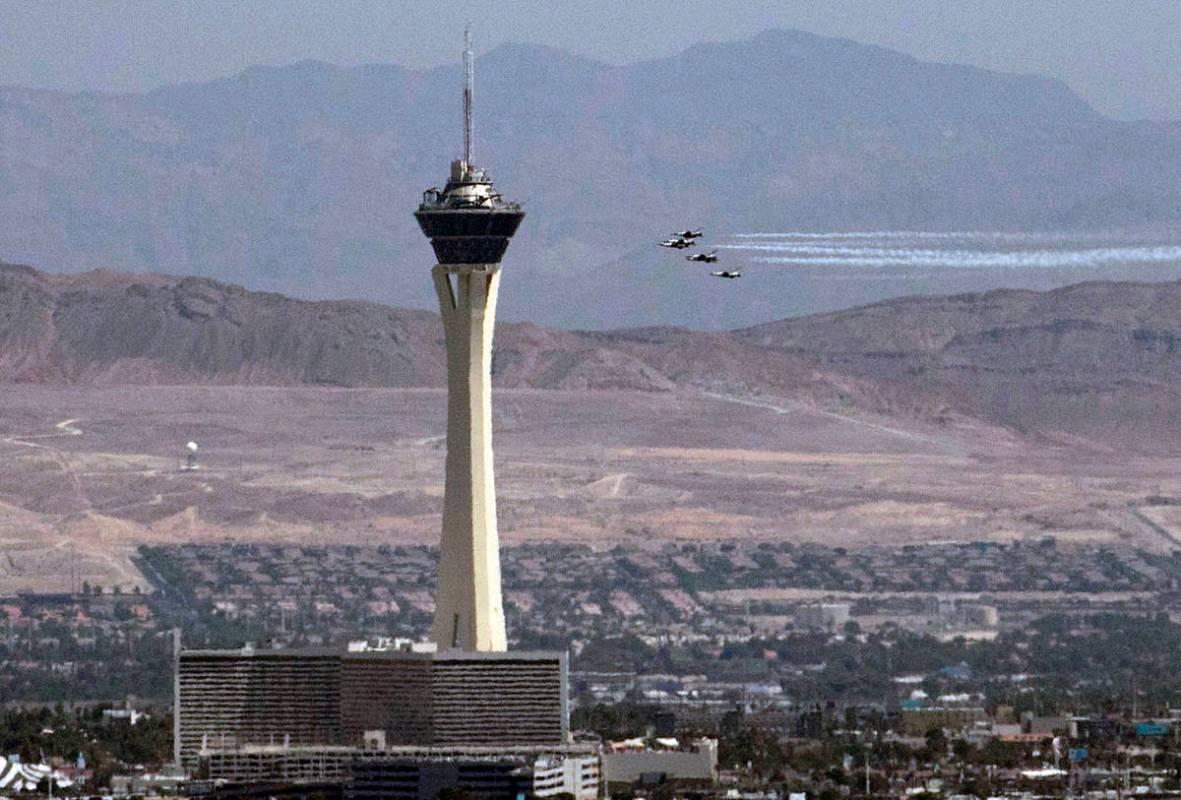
x=301 y=179
x=1098 y=362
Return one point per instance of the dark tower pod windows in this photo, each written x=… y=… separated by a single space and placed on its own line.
x=468 y=222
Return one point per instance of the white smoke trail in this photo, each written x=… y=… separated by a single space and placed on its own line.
x=836 y=235
x=881 y=249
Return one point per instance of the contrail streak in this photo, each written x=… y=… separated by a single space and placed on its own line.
x=877 y=249
x=835 y=235
x=1043 y=259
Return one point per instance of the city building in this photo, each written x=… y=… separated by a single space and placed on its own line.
x=823 y=616
x=249 y=696
x=917 y=721
x=455 y=698
x=578 y=775
x=255 y=696
x=411 y=773
x=698 y=763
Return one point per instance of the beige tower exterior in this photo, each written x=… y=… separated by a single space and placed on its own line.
x=469 y=225
x=469 y=614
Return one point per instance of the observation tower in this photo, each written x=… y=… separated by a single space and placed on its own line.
x=469 y=225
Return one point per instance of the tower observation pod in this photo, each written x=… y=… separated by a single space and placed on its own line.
x=469 y=226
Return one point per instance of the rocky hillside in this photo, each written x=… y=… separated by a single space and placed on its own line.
x=1104 y=358
x=106 y=327
x=1099 y=360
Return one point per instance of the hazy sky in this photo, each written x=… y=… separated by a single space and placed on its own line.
x=1122 y=56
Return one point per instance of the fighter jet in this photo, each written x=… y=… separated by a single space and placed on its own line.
x=678 y=243
x=708 y=258
x=689 y=234
x=727 y=274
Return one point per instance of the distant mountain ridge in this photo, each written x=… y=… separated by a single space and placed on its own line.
x=1099 y=360
x=1098 y=357
x=302 y=179
x=105 y=327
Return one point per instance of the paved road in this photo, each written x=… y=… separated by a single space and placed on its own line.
x=64 y=428
x=1154 y=525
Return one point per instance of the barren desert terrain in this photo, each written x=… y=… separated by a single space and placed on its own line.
x=89 y=473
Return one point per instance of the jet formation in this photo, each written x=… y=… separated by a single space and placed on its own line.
x=688 y=238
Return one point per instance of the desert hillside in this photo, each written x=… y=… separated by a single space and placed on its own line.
x=1097 y=360
x=108 y=328
x=878 y=424
x=1101 y=359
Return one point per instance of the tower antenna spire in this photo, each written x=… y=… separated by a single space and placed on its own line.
x=469 y=77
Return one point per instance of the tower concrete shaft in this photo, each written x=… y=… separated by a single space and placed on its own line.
x=469 y=614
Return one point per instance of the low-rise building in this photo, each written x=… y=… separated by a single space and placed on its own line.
x=698 y=763
x=917 y=721
x=823 y=616
x=411 y=773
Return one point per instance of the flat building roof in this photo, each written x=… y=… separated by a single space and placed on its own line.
x=328 y=652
